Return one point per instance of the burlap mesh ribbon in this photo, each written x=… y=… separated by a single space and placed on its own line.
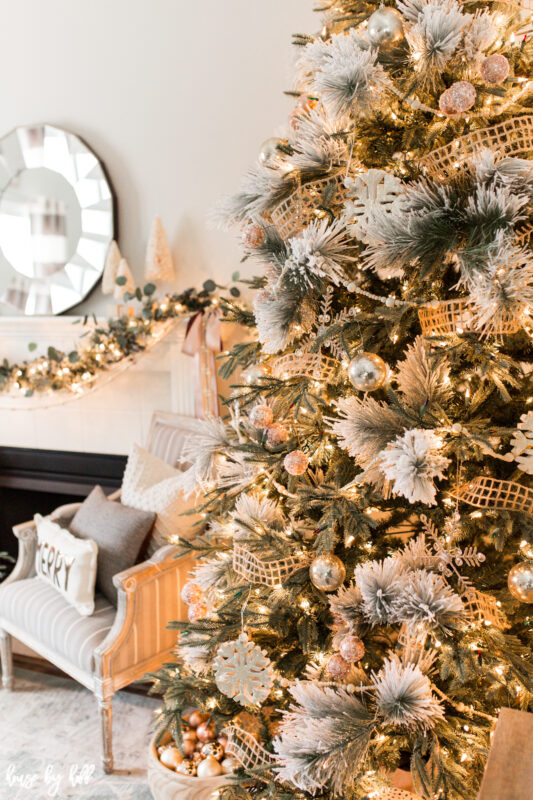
x=245 y=748
x=497 y=495
x=455 y=316
x=293 y=213
x=267 y=573
x=310 y=365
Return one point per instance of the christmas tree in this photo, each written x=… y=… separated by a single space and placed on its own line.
x=360 y=600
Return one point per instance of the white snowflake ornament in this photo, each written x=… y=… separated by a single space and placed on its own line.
x=522 y=443
x=243 y=671
x=368 y=193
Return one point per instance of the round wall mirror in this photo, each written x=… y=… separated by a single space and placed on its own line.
x=56 y=219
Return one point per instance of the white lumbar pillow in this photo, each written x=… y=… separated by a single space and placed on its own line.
x=66 y=563
x=149 y=484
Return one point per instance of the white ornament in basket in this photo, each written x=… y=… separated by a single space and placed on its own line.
x=165 y=784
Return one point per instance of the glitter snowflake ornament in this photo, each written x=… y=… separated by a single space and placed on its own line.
x=522 y=443
x=369 y=194
x=243 y=671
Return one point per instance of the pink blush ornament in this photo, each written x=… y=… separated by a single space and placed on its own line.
x=352 y=649
x=462 y=96
x=253 y=236
x=296 y=462
x=338 y=668
x=197 y=611
x=494 y=69
x=277 y=434
x=191 y=593
x=261 y=416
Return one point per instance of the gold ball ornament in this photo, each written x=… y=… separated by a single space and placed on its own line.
x=188 y=746
x=385 y=27
x=367 y=372
x=229 y=764
x=494 y=69
x=186 y=768
x=520 y=581
x=352 y=649
x=209 y=768
x=269 y=154
x=261 y=416
x=277 y=434
x=327 y=572
x=192 y=593
x=462 y=96
x=214 y=749
x=171 y=757
x=253 y=236
x=197 y=611
x=296 y=462
x=338 y=668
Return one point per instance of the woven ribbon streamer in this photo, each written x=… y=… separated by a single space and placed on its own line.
x=267 y=573
x=455 y=316
x=492 y=493
x=514 y=137
x=245 y=748
x=293 y=213
x=309 y=365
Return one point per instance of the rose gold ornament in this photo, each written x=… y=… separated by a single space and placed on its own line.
x=296 y=462
x=191 y=593
x=277 y=434
x=494 y=69
x=254 y=373
x=253 y=236
x=206 y=732
x=261 y=416
x=189 y=736
x=197 y=717
x=209 y=768
x=197 y=612
x=338 y=668
x=462 y=96
x=446 y=105
x=223 y=740
x=352 y=649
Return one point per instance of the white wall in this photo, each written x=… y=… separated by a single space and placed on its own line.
x=175 y=96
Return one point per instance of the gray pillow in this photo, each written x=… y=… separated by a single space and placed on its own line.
x=119 y=531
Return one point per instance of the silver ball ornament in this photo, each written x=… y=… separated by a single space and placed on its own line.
x=254 y=374
x=367 y=372
x=385 y=27
x=327 y=572
x=269 y=154
x=520 y=581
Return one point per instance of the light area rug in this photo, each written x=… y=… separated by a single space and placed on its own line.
x=50 y=742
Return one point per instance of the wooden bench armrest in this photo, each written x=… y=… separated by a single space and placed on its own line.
x=149 y=597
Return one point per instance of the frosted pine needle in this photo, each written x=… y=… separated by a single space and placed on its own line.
x=380 y=582
x=404 y=697
x=411 y=462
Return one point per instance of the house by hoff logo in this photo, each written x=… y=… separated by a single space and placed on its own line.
x=51 y=779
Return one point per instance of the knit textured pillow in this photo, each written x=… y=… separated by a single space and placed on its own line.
x=150 y=484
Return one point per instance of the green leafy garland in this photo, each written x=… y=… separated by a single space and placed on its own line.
x=104 y=346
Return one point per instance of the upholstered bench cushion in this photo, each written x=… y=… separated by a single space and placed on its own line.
x=37 y=608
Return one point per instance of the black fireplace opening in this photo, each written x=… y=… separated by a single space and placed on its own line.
x=38 y=481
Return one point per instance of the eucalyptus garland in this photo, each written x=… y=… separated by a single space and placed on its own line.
x=104 y=346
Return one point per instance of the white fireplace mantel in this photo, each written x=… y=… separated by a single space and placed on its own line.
x=113 y=416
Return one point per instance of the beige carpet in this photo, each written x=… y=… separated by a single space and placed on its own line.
x=50 y=742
